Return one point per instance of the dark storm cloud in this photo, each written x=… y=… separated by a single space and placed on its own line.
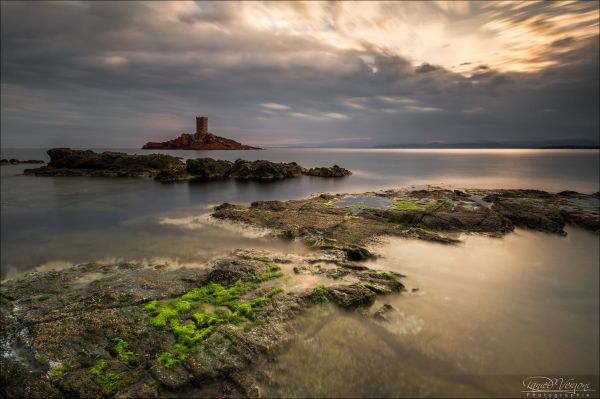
x=119 y=74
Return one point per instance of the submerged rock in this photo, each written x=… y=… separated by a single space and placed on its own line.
x=135 y=330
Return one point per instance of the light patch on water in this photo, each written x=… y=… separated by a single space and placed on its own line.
x=197 y=222
x=241 y=229
x=188 y=222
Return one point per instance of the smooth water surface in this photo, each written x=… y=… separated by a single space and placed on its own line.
x=484 y=315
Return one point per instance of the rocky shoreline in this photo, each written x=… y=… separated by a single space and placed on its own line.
x=166 y=168
x=131 y=330
x=437 y=215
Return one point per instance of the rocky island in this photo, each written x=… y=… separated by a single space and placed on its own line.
x=201 y=140
x=68 y=162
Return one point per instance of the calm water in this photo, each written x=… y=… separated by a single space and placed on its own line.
x=523 y=304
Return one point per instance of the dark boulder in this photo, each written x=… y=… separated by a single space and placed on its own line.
x=334 y=171
x=208 y=168
x=264 y=170
x=68 y=162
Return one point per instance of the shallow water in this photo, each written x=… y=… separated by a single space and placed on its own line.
x=524 y=304
x=487 y=314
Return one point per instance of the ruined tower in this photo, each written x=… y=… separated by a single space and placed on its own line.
x=201 y=125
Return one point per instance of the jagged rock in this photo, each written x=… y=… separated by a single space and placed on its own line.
x=264 y=170
x=544 y=211
x=68 y=162
x=351 y=296
x=166 y=168
x=67 y=345
x=333 y=171
x=208 y=168
x=431 y=215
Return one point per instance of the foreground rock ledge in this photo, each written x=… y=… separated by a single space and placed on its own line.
x=68 y=162
x=353 y=220
x=132 y=330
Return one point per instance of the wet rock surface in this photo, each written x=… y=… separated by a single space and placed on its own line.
x=68 y=162
x=547 y=212
x=137 y=330
x=352 y=221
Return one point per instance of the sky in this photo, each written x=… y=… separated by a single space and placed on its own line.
x=119 y=74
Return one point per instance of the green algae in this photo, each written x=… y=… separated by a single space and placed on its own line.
x=60 y=370
x=111 y=382
x=331 y=202
x=4 y=300
x=120 y=349
x=319 y=294
x=349 y=216
x=200 y=312
x=408 y=206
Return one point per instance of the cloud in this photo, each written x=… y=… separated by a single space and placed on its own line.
x=275 y=106
x=425 y=67
x=120 y=74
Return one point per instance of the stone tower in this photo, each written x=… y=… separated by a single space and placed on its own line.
x=201 y=125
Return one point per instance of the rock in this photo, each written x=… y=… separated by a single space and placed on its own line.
x=357 y=253
x=165 y=168
x=431 y=215
x=268 y=205
x=264 y=170
x=207 y=141
x=382 y=312
x=334 y=171
x=208 y=168
x=68 y=162
x=136 y=331
x=351 y=297
x=548 y=212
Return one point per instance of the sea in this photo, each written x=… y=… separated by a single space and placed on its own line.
x=477 y=320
